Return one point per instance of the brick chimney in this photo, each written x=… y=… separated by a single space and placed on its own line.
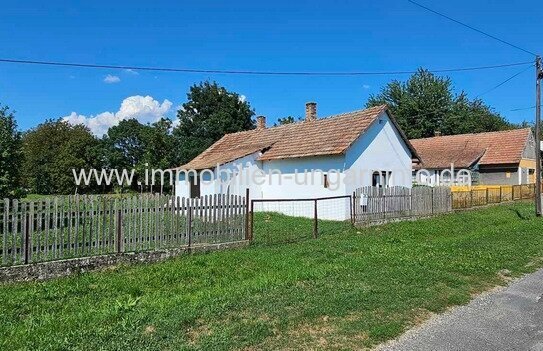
x=437 y=133
x=310 y=111
x=261 y=122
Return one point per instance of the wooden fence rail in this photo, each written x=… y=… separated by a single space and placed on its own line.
x=81 y=226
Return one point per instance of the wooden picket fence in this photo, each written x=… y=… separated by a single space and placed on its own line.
x=83 y=226
x=373 y=204
x=463 y=199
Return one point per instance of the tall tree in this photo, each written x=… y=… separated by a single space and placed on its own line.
x=210 y=112
x=10 y=155
x=426 y=103
x=132 y=145
x=51 y=151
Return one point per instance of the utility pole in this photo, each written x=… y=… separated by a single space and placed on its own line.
x=538 y=78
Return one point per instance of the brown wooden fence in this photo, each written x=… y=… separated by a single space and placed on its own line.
x=462 y=199
x=372 y=204
x=81 y=226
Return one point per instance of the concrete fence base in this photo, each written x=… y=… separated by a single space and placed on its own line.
x=55 y=269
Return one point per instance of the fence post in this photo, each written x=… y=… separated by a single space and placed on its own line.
x=251 y=219
x=119 y=235
x=471 y=198
x=27 y=238
x=189 y=223
x=501 y=194
x=315 y=225
x=247 y=233
x=352 y=206
x=487 y=195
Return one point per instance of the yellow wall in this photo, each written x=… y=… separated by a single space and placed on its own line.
x=527 y=163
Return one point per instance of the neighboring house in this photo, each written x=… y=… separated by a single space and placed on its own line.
x=353 y=149
x=493 y=158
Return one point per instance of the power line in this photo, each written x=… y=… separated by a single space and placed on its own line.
x=249 y=72
x=523 y=108
x=502 y=83
x=473 y=28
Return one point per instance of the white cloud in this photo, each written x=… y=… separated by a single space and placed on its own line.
x=111 y=79
x=366 y=86
x=242 y=98
x=143 y=108
x=131 y=71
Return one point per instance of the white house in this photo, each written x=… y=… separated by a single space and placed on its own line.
x=309 y=159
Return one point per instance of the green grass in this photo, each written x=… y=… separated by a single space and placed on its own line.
x=348 y=289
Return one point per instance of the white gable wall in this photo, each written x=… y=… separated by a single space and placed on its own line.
x=381 y=148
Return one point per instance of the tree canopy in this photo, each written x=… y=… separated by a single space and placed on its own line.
x=132 y=145
x=286 y=120
x=51 y=151
x=10 y=155
x=210 y=112
x=426 y=103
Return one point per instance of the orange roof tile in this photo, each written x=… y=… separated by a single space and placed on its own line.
x=464 y=150
x=326 y=136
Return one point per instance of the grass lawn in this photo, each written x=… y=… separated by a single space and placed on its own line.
x=348 y=289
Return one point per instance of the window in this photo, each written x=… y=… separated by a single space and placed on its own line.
x=507 y=174
x=376 y=179
x=381 y=179
x=325 y=181
x=194 y=187
x=446 y=177
x=531 y=176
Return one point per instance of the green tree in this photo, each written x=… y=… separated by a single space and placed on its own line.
x=210 y=112
x=426 y=103
x=132 y=145
x=52 y=150
x=472 y=116
x=286 y=120
x=160 y=151
x=10 y=155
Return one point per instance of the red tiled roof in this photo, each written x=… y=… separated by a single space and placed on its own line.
x=326 y=136
x=492 y=148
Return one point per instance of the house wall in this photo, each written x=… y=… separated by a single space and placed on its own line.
x=485 y=176
x=301 y=178
x=381 y=148
x=219 y=181
x=527 y=164
x=499 y=176
x=529 y=149
x=434 y=177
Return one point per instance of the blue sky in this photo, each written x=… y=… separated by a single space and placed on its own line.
x=254 y=35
